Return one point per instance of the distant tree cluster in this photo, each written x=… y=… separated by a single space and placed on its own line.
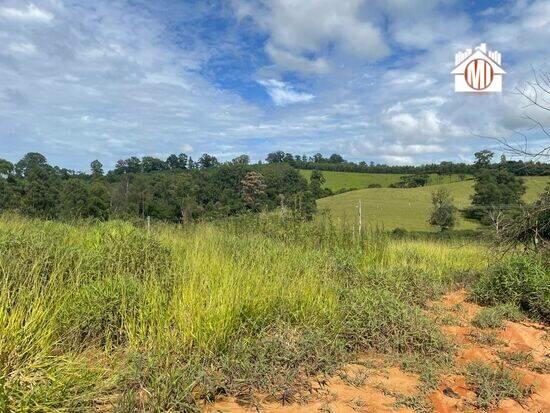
x=411 y=181
x=337 y=163
x=497 y=191
x=177 y=189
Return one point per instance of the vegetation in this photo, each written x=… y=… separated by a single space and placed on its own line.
x=105 y=314
x=494 y=384
x=493 y=317
x=495 y=191
x=336 y=163
x=520 y=280
x=339 y=182
x=444 y=212
x=409 y=208
x=140 y=188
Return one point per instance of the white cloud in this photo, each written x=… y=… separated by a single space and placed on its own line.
x=299 y=28
x=186 y=148
x=22 y=48
x=283 y=94
x=290 y=61
x=116 y=80
x=30 y=14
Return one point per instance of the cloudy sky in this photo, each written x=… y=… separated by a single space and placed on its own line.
x=369 y=79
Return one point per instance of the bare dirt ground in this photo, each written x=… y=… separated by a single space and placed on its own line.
x=375 y=384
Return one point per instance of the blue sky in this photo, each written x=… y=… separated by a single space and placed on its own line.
x=369 y=79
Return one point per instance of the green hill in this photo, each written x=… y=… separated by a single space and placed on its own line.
x=407 y=208
x=359 y=180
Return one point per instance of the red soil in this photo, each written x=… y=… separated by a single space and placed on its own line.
x=376 y=393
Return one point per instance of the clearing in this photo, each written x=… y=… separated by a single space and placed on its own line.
x=408 y=208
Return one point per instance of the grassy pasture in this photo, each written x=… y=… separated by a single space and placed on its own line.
x=103 y=316
x=408 y=208
x=339 y=180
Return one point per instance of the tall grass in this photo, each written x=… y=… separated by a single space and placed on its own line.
x=104 y=316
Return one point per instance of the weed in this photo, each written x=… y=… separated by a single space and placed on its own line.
x=493 y=317
x=522 y=280
x=516 y=358
x=485 y=338
x=494 y=384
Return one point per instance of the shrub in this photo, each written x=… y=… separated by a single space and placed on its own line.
x=522 y=280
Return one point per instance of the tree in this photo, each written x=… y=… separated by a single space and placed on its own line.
x=151 y=164
x=318 y=158
x=241 y=160
x=98 y=201
x=335 y=158
x=40 y=192
x=275 y=157
x=483 y=158
x=207 y=161
x=303 y=206
x=74 y=199
x=411 y=181
x=6 y=168
x=495 y=189
x=316 y=182
x=537 y=95
x=444 y=214
x=133 y=164
x=172 y=162
x=253 y=190
x=30 y=161
x=97 y=168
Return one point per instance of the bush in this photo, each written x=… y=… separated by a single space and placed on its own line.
x=374 y=186
x=523 y=281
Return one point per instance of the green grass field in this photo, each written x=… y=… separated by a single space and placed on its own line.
x=108 y=317
x=390 y=208
x=336 y=181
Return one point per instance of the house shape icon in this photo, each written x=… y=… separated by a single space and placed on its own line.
x=478 y=70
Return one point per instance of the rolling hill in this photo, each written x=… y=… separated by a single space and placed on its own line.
x=390 y=208
x=336 y=181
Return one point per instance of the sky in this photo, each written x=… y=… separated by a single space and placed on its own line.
x=369 y=79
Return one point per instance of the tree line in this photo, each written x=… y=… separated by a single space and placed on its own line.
x=177 y=189
x=337 y=163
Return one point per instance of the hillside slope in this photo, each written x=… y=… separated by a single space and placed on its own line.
x=336 y=181
x=408 y=208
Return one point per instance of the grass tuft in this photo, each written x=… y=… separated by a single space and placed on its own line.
x=493 y=317
x=494 y=384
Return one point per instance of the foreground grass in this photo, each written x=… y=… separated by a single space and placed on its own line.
x=107 y=317
x=409 y=208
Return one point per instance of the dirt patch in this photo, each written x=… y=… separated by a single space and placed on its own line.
x=355 y=389
x=453 y=393
x=527 y=337
x=371 y=385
